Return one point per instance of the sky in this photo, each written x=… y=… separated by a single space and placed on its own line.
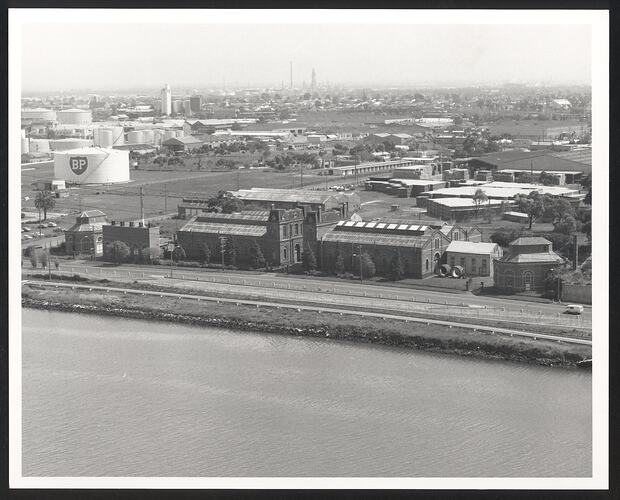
x=124 y=56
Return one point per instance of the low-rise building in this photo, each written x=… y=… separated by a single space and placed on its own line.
x=142 y=239
x=460 y=209
x=278 y=232
x=86 y=235
x=526 y=265
x=475 y=258
x=182 y=144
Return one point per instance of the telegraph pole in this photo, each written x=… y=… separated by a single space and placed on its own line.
x=141 y=205
x=301 y=174
x=165 y=200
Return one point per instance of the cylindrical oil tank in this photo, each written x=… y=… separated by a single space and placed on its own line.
x=158 y=137
x=108 y=136
x=187 y=108
x=75 y=116
x=39 y=146
x=149 y=136
x=177 y=107
x=92 y=166
x=39 y=114
x=135 y=137
x=25 y=146
x=70 y=143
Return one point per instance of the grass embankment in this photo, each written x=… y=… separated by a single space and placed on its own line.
x=307 y=323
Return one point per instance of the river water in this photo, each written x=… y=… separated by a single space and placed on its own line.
x=114 y=397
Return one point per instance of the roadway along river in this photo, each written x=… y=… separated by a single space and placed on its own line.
x=115 y=397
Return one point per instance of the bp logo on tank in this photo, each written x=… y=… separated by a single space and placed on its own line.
x=78 y=164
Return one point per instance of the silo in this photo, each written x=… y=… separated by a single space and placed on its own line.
x=177 y=107
x=39 y=114
x=158 y=137
x=103 y=137
x=75 y=116
x=149 y=137
x=70 y=143
x=25 y=146
x=135 y=137
x=92 y=166
x=187 y=107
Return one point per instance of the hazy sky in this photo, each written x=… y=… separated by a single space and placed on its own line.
x=122 y=56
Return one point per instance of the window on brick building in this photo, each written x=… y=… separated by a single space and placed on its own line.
x=284 y=231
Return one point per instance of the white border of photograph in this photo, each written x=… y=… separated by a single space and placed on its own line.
x=600 y=236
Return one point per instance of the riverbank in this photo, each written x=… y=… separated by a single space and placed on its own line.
x=436 y=338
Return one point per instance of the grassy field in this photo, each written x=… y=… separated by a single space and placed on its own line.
x=534 y=128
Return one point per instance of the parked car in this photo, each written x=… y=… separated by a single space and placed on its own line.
x=26 y=228
x=574 y=309
x=51 y=224
x=26 y=237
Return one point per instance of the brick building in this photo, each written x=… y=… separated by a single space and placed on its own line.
x=86 y=234
x=142 y=239
x=278 y=232
x=420 y=247
x=475 y=258
x=526 y=264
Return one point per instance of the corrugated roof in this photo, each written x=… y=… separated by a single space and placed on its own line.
x=472 y=247
x=86 y=228
x=376 y=239
x=220 y=228
x=183 y=140
x=249 y=215
x=284 y=195
x=464 y=202
x=92 y=213
x=533 y=258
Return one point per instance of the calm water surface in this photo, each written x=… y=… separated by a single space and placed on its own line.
x=116 y=397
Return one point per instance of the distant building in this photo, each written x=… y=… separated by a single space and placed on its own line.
x=526 y=265
x=86 y=234
x=278 y=232
x=461 y=209
x=475 y=258
x=142 y=239
x=166 y=100
x=182 y=144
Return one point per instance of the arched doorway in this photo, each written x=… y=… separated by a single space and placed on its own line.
x=436 y=262
x=528 y=280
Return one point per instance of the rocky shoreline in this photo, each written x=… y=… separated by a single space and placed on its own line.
x=465 y=346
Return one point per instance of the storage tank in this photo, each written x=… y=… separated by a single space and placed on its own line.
x=108 y=136
x=25 y=146
x=70 y=143
x=39 y=114
x=169 y=134
x=149 y=136
x=75 y=116
x=158 y=137
x=135 y=137
x=177 y=107
x=39 y=146
x=92 y=165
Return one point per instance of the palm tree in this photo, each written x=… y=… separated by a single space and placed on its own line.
x=45 y=201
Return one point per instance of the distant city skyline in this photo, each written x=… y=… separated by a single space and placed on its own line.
x=112 y=57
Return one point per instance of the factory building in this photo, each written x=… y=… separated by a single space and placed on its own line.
x=420 y=247
x=86 y=234
x=460 y=209
x=403 y=188
x=142 y=239
x=474 y=258
x=278 y=232
x=182 y=144
x=92 y=166
x=526 y=265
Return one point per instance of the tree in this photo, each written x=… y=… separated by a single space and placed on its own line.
x=309 y=259
x=117 y=252
x=257 y=258
x=588 y=198
x=368 y=266
x=532 y=204
x=339 y=265
x=205 y=253
x=557 y=208
x=56 y=263
x=33 y=260
x=44 y=258
x=397 y=270
x=230 y=252
x=44 y=200
x=479 y=198
x=566 y=225
x=546 y=179
x=178 y=254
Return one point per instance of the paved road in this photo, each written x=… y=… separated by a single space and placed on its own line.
x=320 y=309
x=352 y=294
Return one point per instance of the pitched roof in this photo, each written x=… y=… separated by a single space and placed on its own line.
x=471 y=247
x=287 y=195
x=189 y=139
x=226 y=229
x=530 y=240
x=92 y=213
x=377 y=239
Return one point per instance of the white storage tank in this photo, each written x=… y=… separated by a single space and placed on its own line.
x=92 y=166
x=39 y=146
x=70 y=143
x=75 y=116
x=149 y=136
x=158 y=137
x=135 y=137
x=39 y=114
x=107 y=137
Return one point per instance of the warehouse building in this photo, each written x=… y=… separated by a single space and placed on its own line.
x=278 y=232
x=420 y=247
x=461 y=209
x=526 y=265
x=182 y=144
x=142 y=239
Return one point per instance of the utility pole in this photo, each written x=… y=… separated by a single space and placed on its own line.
x=165 y=200
x=361 y=265
x=301 y=174
x=141 y=205
x=238 y=174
